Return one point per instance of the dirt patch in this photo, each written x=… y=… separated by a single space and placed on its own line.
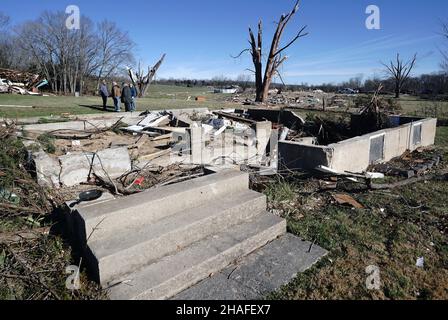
x=138 y=145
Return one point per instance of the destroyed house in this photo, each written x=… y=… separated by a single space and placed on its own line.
x=358 y=153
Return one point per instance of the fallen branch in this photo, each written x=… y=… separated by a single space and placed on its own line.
x=8 y=238
x=31 y=272
x=374 y=186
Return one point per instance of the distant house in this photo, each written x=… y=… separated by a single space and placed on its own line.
x=227 y=90
x=348 y=91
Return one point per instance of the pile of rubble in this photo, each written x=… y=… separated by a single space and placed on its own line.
x=25 y=83
x=313 y=100
x=126 y=153
x=410 y=164
x=132 y=153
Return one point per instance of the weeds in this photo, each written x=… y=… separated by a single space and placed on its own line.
x=31 y=268
x=47 y=142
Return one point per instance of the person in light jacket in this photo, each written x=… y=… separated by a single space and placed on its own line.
x=116 y=95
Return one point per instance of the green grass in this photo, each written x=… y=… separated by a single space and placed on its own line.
x=423 y=108
x=442 y=137
x=170 y=97
x=159 y=97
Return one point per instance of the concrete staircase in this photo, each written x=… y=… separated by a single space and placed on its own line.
x=155 y=244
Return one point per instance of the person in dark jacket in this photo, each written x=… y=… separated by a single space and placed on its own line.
x=126 y=97
x=134 y=96
x=104 y=93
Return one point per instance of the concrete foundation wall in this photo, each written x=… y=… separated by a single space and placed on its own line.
x=294 y=156
x=353 y=155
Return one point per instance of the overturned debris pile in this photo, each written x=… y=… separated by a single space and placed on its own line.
x=410 y=164
x=25 y=83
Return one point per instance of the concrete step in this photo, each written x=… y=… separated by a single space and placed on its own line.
x=99 y=221
x=130 y=248
x=260 y=273
x=175 y=273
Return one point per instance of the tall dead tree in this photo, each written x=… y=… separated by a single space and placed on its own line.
x=400 y=72
x=444 y=63
x=142 y=82
x=275 y=57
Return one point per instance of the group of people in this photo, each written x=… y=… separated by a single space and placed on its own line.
x=126 y=94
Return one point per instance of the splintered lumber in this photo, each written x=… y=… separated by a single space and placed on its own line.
x=235 y=118
x=163 y=137
x=8 y=238
x=17 y=77
x=346 y=199
x=156 y=155
x=442 y=177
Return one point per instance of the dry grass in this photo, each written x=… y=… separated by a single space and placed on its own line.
x=393 y=230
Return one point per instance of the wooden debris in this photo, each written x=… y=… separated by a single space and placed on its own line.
x=233 y=117
x=346 y=199
x=155 y=155
x=8 y=238
x=442 y=177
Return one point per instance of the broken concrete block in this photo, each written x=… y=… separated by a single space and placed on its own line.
x=75 y=168
x=47 y=169
x=196 y=145
x=111 y=163
x=263 y=132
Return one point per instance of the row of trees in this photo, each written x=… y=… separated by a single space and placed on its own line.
x=435 y=84
x=66 y=58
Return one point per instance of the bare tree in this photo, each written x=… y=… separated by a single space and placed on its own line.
x=4 y=21
x=243 y=81
x=275 y=58
x=5 y=41
x=444 y=63
x=400 y=72
x=141 y=81
x=66 y=57
x=114 y=50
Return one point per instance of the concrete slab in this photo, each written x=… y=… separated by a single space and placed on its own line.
x=75 y=168
x=114 y=161
x=47 y=170
x=258 y=274
x=111 y=162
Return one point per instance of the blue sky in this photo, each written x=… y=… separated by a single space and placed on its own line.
x=200 y=35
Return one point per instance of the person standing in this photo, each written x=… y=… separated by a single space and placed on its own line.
x=104 y=93
x=126 y=97
x=134 y=97
x=116 y=95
